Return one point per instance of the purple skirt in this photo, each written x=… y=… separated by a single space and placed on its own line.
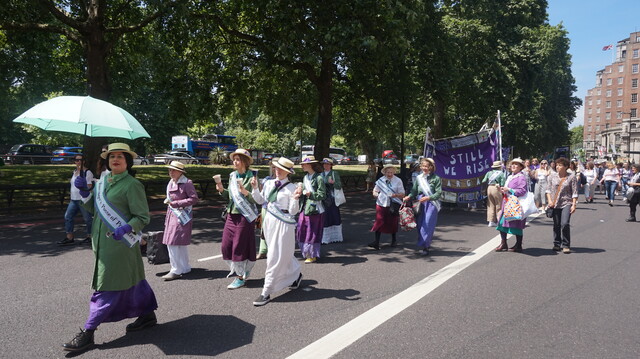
x=309 y=234
x=385 y=221
x=238 y=239
x=113 y=306
x=332 y=216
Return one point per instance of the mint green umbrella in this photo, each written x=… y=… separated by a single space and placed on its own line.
x=84 y=115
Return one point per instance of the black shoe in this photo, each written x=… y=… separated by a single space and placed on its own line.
x=296 y=283
x=630 y=219
x=424 y=252
x=81 y=341
x=66 y=242
x=86 y=241
x=557 y=248
x=374 y=245
x=393 y=244
x=142 y=322
x=261 y=300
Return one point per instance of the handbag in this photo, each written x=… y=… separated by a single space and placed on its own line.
x=407 y=218
x=394 y=208
x=548 y=212
x=528 y=204
x=157 y=252
x=338 y=195
x=513 y=209
x=223 y=216
x=630 y=192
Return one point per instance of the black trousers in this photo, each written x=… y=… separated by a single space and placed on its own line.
x=561 y=227
x=633 y=203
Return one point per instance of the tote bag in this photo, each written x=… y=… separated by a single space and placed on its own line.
x=528 y=205
x=407 y=219
x=512 y=209
x=338 y=195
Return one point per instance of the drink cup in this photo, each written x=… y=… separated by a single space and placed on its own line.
x=255 y=173
x=167 y=201
x=217 y=178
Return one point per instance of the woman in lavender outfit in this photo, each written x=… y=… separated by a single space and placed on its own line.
x=515 y=185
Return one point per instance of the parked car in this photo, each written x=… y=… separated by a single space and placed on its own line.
x=28 y=154
x=268 y=157
x=65 y=154
x=411 y=159
x=184 y=157
x=349 y=160
x=140 y=161
x=295 y=159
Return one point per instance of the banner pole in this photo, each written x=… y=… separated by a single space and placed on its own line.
x=500 y=137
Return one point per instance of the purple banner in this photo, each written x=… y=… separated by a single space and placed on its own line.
x=462 y=163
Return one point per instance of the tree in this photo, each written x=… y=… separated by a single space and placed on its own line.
x=95 y=25
x=577 y=136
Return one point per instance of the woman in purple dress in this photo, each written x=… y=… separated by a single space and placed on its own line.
x=515 y=185
x=311 y=220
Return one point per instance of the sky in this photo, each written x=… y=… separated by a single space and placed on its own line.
x=591 y=25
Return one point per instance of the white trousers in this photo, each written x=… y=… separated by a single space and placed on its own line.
x=179 y=258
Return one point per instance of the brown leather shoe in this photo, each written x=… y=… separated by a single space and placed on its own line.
x=502 y=248
x=517 y=249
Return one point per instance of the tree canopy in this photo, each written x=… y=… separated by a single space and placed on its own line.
x=369 y=72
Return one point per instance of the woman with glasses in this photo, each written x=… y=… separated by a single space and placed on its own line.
x=75 y=203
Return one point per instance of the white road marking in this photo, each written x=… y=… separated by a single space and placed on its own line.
x=358 y=327
x=209 y=258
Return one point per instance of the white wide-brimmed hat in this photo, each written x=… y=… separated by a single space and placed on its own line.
x=178 y=166
x=308 y=160
x=118 y=147
x=242 y=152
x=496 y=165
x=387 y=167
x=518 y=161
x=284 y=163
x=328 y=160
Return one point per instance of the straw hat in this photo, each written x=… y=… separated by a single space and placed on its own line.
x=328 y=160
x=178 y=166
x=242 y=152
x=388 y=166
x=284 y=164
x=430 y=160
x=118 y=147
x=496 y=165
x=518 y=161
x=308 y=159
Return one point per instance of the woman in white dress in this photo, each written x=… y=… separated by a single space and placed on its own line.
x=279 y=226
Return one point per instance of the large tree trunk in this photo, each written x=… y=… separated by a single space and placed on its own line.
x=325 y=109
x=99 y=86
x=438 y=117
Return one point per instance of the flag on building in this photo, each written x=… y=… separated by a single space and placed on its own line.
x=608 y=47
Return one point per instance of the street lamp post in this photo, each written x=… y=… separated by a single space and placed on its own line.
x=628 y=136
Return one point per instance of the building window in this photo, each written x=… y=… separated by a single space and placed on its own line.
x=634 y=83
x=598 y=128
x=620 y=68
x=634 y=68
x=590 y=102
x=619 y=92
x=634 y=98
x=607 y=115
x=633 y=113
x=619 y=115
x=608 y=93
x=597 y=118
x=609 y=82
x=635 y=53
x=589 y=129
x=598 y=101
x=589 y=120
x=608 y=104
x=599 y=92
x=589 y=111
x=620 y=80
x=619 y=103
x=598 y=110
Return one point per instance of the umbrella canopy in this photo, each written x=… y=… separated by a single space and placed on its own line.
x=84 y=115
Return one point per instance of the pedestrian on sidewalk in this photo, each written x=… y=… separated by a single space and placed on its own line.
x=279 y=226
x=238 y=236
x=181 y=197
x=388 y=189
x=427 y=189
x=562 y=196
x=494 y=179
x=634 y=183
x=121 y=290
x=515 y=185
x=75 y=203
x=311 y=219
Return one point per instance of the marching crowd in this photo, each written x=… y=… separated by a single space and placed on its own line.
x=283 y=213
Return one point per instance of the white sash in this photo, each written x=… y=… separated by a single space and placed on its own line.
x=184 y=214
x=387 y=190
x=110 y=215
x=246 y=208
x=279 y=214
x=493 y=176
x=309 y=188
x=426 y=189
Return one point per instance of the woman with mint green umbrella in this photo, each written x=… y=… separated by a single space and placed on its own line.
x=120 y=211
x=238 y=237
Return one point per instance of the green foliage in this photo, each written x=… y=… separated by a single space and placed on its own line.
x=577 y=136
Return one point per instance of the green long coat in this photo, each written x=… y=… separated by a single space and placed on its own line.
x=118 y=267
